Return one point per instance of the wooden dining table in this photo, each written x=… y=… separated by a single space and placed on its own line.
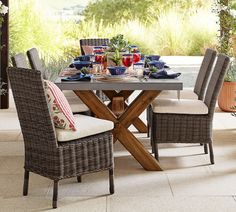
x=122 y=89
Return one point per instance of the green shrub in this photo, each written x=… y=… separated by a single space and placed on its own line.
x=172 y=32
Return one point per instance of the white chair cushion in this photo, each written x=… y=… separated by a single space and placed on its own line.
x=86 y=126
x=183 y=106
x=184 y=94
x=76 y=104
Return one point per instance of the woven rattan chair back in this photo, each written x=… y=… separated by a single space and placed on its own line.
x=216 y=82
x=31 y=104
x=204 y=73
x=19 y=61
x=35 y=61
x=92 y=42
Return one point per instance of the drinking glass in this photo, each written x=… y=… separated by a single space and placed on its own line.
x=127 y=60
x=136 y=57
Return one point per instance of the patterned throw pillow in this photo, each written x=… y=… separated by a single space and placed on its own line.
x=59 y=107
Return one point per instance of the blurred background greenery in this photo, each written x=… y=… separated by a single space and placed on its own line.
x=173 y=27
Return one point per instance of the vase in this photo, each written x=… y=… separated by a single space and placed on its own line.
x=227 y=97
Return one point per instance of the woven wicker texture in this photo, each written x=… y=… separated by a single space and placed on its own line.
x=92 y=42
x=182 y=128
x=43 y=155
x=202 y=78
x=35 y=61
x=19 y=60
x=204 y=73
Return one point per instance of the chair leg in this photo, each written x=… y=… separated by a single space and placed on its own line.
x=205 y=148
x=156 y=153
x=148 y=130
x=211 y=154
x=79 y=179
x=111 y=181
x=55 y=194
x=26 y=183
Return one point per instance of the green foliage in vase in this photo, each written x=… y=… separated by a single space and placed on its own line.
x=119 y=43
x=115 y=57
x=231 y=73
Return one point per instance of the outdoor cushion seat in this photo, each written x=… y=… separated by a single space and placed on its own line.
x=187 y=93
x=183 y=106
x=86 y=126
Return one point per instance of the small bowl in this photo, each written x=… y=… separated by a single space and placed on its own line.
x=153 y=57
x=116 y=70
x=157 y=64
x=80 y=64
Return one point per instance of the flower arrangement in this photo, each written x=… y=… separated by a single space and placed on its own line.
x=117 y=45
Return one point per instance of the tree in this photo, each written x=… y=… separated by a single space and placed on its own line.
x=112 y=11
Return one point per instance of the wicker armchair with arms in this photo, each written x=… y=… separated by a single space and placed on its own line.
x=45 y=155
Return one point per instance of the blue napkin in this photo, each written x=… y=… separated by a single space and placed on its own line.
x=78 y=77
x=164 y=75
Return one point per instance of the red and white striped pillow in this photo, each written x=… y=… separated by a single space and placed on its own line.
x=59 y=107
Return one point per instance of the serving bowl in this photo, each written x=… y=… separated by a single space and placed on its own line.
x=80 y=64
x=116 y=70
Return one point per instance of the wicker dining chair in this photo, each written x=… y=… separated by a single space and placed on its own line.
x=75 y=102
x=92 y=42
x=188 y=121
x=200 y=85
x=44 y=154
x=19 y=60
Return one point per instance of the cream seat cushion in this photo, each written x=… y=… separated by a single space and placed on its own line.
x=86 y=126
x=187 y=93
x=76 y=104
x=183 y=106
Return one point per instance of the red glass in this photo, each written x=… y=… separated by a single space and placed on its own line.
x=136 y=57
x=99 y=58
x=127 y=60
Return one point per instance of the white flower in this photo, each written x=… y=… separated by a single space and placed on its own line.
x=3 y=9
x=0 y=3
x=233 y=13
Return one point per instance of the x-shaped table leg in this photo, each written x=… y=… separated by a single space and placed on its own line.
x=121 y=132
x=138 y=123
